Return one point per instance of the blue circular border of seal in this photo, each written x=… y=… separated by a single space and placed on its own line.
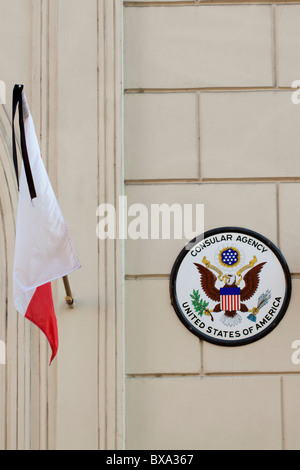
x=234 y=343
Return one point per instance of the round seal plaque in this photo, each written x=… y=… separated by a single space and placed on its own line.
x=230 y=286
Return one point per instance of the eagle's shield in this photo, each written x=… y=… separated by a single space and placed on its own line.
x=230 y=299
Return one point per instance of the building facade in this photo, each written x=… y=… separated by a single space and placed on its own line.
x=164 y=102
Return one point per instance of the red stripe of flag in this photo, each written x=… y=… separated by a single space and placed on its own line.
x=41 y=312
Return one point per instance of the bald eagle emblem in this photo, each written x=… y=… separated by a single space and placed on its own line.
x=231 y=298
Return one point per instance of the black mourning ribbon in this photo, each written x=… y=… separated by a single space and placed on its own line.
x=18 y=101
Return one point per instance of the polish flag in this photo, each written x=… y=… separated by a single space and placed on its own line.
x=43 y=249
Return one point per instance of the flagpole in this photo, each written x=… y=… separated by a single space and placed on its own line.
x=69 y=296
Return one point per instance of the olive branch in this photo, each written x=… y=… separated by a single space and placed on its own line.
x=199 y=304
